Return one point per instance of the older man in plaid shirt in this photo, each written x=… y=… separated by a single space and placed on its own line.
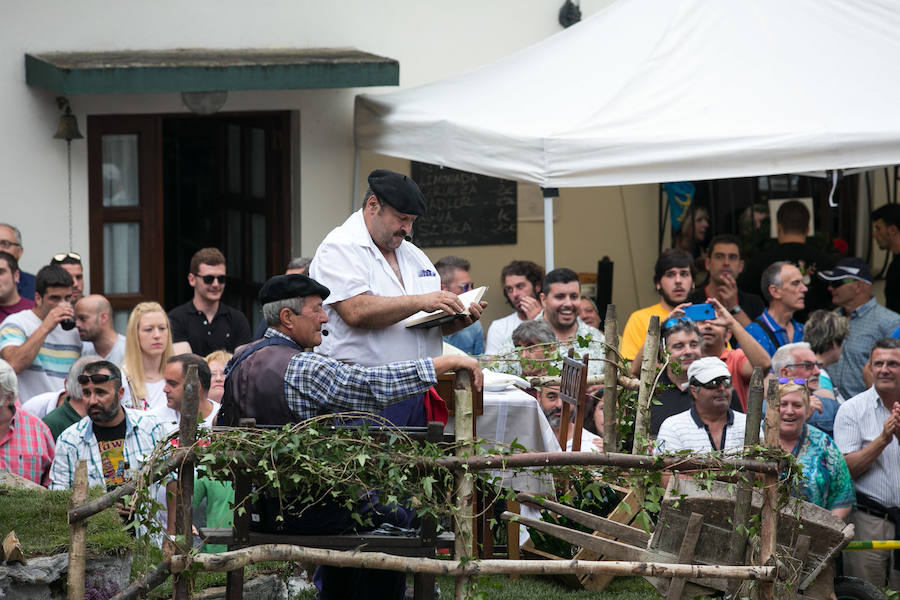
x=26 y=444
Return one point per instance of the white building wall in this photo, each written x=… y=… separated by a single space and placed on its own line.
x=431 y=40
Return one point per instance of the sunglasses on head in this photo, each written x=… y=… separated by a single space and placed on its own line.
x=95 y=378
x=208 y=279
x=58 y=258
x=715 y=383
x=797 y=380
x=675 y=321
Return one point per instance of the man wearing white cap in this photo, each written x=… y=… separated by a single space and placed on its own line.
x=710 y=424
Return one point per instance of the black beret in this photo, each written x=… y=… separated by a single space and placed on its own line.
x=398 y=190
x=282 y=287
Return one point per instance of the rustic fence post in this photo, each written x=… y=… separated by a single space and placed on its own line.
x=78 y=532
x=187 y=435
x=464 y=421
x=768 y=530
x=610 y=379
x=645 y=394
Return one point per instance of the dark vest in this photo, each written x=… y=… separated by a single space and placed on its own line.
x=254 y=388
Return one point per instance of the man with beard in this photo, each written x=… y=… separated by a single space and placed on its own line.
x=114 y=440
x=784 y=290
x=560 y=300
x=714 y=337
x=724 y=264
x=551 y=404
x=521 y=281
x=709 y=424
x=673 y=279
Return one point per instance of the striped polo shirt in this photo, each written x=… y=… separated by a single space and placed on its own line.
x=686 y=431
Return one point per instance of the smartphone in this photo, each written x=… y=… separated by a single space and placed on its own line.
x=700 y=312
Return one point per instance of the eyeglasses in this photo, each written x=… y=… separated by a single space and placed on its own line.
x=465 y=287
x=715 y=383
x=95 y=378
x=58 y=258
x=797 y=380
x=208 y=279
x=6 y=244
x=808 y=365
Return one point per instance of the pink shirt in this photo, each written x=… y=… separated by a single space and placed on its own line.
x=27 y=448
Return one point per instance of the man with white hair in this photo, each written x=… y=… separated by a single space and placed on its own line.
x=71 y=407
x=26 y=445
x=798 y=361
x=710 y=424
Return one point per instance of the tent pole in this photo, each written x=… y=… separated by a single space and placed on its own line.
x=353 y=200
x=549 y=195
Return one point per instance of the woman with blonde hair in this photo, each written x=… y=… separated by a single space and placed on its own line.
x=217 y=361
x=148 y=345
x=826 y=478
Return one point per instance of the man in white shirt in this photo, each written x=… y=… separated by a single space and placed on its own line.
x=710 y=424
x=378 y=279
x=175 y=374
x=41 y=344
x=94 y=320
x=522 y=289
x=867 y=431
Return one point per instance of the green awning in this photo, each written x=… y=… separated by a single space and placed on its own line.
x=203 y=70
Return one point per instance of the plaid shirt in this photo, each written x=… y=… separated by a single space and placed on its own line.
x=142 y=432
x=317 y=385
x=27 y=448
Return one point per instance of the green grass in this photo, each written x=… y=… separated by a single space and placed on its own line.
x=531 y=588
x=39 y=520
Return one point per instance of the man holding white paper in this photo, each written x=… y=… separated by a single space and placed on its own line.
x=378 y=279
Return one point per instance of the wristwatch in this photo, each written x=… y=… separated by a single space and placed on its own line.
x=735 y=309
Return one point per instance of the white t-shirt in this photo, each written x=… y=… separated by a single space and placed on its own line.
x=156 y=397
x=57 y=354
x=171 y=419
x=42 y=404
x=587 y=442
x=683 y=432
x=116 y=354
x=349 y=263
x=500 y=331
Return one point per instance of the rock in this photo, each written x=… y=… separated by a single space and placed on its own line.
x=264 y=587
x=295 y=585
x=12 y=480
x=43 y=578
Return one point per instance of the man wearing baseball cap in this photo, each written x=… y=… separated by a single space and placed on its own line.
x=710 y=424
x=378 y=278
x=850 y=284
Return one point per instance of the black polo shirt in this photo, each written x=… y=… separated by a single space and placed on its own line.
x=228 y=329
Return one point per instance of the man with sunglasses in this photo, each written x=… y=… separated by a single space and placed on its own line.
x=850 y=284
x=71 y=262
x=204 y=324
x=710 y=424
x=114 y=440
x=454 y=272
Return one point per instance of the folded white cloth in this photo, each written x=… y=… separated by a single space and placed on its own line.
x=498 y=382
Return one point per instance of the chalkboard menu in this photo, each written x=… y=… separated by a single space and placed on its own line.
x=464 y=209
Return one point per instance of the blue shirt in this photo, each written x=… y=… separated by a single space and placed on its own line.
x=470 y=340
x=868 y=323
x=25 y=287
x=760 y=335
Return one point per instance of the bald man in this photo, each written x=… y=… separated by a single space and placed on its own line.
x=94 y=320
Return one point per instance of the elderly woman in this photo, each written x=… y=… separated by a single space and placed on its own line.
x=826 y=478
x=825 y=332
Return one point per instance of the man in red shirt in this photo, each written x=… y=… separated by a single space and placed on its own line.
x=10 y=300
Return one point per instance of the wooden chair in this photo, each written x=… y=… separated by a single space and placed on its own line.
x=572 y=391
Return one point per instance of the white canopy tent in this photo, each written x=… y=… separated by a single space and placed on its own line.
x=649 y=91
